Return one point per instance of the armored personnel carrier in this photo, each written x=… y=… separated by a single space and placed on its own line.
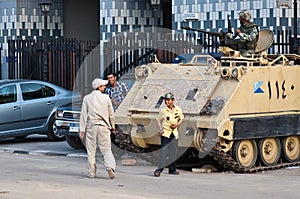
x=242 y=111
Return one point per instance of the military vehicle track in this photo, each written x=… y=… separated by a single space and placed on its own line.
x=230 y=164
x=123 y=141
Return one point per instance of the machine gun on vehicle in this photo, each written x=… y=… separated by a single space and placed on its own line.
x=221 y=35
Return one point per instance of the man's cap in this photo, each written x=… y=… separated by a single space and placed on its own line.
x=98 y=82
x=169 y=96
x=245 y=14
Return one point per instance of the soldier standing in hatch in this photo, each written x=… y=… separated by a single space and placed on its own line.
x=96 y=121
x=245 y=39
x=168 y=120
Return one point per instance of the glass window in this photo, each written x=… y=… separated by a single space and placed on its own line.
x=8 y=94
x=36 y=91
x=191 y=94
x=48 y=91
x=31 y=91
x=159 y=102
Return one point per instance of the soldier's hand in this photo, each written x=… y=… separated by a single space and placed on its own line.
x=238 y=31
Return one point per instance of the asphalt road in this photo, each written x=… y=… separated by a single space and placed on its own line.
x=47 y=170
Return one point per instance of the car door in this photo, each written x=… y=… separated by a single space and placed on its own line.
x=10 y=114
x=38 y=101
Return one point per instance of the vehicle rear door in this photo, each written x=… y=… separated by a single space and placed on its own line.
x=37 y=104
x=10 y=109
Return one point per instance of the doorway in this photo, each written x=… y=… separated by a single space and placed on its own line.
x=167 y=14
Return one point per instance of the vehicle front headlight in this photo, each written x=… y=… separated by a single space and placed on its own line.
x=234 y=72
x=59 y=114
x=139 y=72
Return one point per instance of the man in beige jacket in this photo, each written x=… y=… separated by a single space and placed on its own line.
x=96 y=123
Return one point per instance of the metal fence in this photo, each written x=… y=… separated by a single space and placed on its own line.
x=67 y=57
x=64 y=56
x=126 y=51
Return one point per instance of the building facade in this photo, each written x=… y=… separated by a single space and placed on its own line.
x=23 y=19
x=212 y=14
x=101 y=19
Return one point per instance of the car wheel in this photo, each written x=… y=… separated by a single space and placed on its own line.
x=74 y=142
x=52 y=133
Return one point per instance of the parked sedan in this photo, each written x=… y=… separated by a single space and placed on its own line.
x=28 y=107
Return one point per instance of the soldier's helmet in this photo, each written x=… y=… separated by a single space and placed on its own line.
x=245 y=14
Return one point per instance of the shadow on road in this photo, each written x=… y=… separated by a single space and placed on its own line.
x=28 y=139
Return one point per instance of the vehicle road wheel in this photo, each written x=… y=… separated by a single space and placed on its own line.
x=245 y=153
x=291 y=148
x=269 y=151
x=74 y=142
x=52 y=133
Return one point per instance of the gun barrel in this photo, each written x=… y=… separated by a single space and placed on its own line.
x=215 y=34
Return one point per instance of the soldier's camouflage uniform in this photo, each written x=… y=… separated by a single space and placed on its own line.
x=246 y=41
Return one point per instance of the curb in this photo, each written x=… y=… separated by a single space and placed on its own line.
x=43 y=152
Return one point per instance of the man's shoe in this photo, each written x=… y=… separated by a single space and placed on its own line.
x=92 y=169
x=111 y=173
x=90 y=175
x=157 y=173
x=174 y=173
